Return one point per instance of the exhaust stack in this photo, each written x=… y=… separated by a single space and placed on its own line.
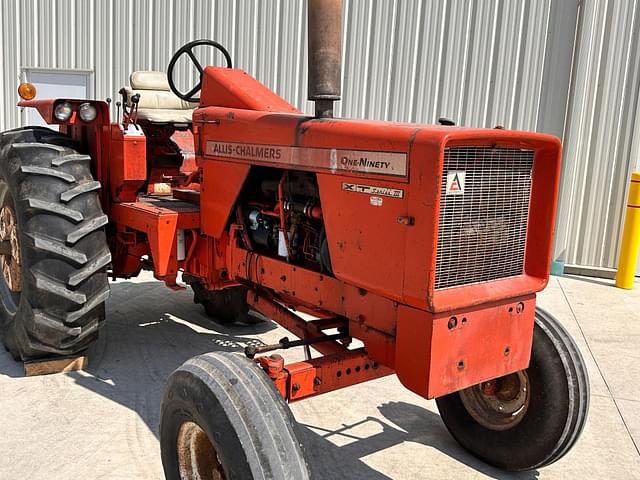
x=325 y=54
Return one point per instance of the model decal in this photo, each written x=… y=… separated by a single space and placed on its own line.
x=373 y=190
x=361 y=161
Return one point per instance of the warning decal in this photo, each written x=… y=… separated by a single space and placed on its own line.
x=455 y=182
x=371 y=190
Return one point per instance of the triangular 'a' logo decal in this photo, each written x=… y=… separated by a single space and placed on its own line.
x=455 y=182
x=455 y=185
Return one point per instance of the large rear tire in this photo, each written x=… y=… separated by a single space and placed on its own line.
x=222 y=418
x=53 y=292
x=529 y=419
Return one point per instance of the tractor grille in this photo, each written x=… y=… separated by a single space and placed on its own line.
x=484 y=209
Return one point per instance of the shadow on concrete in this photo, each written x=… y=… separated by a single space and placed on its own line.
x=150 y=331
x=10 y=367
x=416 y=424
x=144 y=341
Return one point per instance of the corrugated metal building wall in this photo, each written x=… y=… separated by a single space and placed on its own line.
x=560 y=66
x=602 y=133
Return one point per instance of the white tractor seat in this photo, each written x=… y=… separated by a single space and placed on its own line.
x=157 y=103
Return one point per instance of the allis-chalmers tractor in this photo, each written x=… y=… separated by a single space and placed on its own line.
x=426 y=244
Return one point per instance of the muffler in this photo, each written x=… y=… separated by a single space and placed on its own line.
x=325 y=54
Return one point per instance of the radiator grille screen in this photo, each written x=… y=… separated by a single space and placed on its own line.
x=484 y=209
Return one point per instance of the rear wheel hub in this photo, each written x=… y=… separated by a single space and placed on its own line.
x=10 y=249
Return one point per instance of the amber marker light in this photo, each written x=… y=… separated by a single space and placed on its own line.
x=27 y=91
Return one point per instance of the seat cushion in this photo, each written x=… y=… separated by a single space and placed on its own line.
x=157 y=103
x=164 y=115
x=149 y=80
x=153 y=99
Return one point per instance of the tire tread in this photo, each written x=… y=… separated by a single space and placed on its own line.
x=63 y=242
x=72 y=193
x=55 y=209
x=262 y=422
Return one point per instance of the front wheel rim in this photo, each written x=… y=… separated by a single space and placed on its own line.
x=197 y=457
x=499 y=404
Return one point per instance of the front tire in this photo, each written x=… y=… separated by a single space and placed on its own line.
x=54 y=285
x=529 y=419
x=222 y=418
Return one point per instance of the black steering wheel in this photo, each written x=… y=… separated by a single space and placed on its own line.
x=188 y=49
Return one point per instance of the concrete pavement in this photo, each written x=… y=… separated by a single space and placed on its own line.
x=102 y=423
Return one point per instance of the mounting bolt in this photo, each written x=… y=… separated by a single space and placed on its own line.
x=295 y=387
x=406 y=220
x=453 y=321
x=489 y=387
x=317 y=381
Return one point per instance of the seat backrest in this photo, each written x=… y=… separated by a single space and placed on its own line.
x=154 y=91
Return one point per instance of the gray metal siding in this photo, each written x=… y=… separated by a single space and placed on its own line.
x=601 y=127
x=480 y=63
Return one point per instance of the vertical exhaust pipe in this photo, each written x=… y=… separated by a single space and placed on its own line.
x=325 y=54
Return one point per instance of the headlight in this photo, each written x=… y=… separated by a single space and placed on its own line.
x=87 y=112
x=63 y=111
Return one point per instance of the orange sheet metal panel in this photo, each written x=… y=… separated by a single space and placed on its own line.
x=219 y=190
x=234 y=88
x=127 y=164
x=160 y=224
x=439 y=354
x=362 y=223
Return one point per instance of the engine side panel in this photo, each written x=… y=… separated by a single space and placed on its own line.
x=366 y=239
x=221 y=185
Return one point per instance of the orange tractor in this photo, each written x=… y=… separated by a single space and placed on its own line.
x=426 y=244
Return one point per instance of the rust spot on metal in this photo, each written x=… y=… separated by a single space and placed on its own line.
x=301 y=129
